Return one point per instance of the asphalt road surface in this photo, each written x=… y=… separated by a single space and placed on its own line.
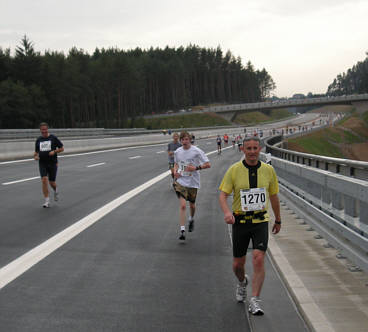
x=106 y=257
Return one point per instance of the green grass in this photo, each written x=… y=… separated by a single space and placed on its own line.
x=318 y=145
x=181 y=121
x=365 y=117
x=252 y=118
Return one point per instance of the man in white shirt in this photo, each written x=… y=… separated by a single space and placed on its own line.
x=189 y=160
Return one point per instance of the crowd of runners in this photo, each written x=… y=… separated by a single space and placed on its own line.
x=252 y=184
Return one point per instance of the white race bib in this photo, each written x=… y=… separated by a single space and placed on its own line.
x=253 y=199
x=181 y=169
x=45 y=146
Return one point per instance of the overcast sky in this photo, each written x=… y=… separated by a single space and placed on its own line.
x=303 y=45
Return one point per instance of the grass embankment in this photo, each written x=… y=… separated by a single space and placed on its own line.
x=252 y=118
x=182 y=121
x=347 y=139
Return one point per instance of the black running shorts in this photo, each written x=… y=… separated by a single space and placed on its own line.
x=48 y=169
x=243 y=233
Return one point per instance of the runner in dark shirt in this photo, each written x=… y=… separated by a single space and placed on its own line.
x=46 y=149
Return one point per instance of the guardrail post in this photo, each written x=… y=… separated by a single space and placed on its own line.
x=363 y=212
x=351 y=206
x=337 y=201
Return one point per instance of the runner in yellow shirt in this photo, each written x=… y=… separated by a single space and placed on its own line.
x=252 y=183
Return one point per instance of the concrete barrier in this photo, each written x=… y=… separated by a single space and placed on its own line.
x=17 y=149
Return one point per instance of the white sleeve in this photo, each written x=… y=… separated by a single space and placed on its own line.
x=202 y=157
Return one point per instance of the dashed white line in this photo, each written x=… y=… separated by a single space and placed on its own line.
x=22 y=180
x=135 y=157
x=160 y=151
x=94 y=165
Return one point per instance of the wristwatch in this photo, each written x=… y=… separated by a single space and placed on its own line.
x=278 y=222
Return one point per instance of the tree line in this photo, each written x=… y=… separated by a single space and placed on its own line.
x=112 y=87
x=355 y=80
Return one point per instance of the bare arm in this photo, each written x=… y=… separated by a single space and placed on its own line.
x=275 y=203
x=192 y=168
x=228 y=215
x=57 y=150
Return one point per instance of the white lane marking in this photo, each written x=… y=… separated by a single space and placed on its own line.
x=135 y=157
x=208 y=143
x=94 y=165
x=20 y=265
x=160 y=151
x=17 y=267
x=22 y=180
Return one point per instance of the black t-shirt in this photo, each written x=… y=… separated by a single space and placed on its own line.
x=46 y=144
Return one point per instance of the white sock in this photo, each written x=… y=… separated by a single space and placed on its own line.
x=47 y=199
x=190 y=218
x=182 y=228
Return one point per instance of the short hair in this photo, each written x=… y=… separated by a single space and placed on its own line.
x=252 y=138
x=43 y=124
x=175 y=134
x=183 y=134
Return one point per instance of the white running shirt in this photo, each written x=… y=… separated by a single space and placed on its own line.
x=192 y=156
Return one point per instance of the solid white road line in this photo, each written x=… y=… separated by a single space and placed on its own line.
x=20 y=265
x=135 y=157
x=23 y=263
x=22 y=180
x=94 y=165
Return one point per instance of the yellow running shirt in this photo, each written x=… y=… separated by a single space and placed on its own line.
x=236 y=180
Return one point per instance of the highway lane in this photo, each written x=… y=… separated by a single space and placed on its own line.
x=83 y=189
x=127 y=272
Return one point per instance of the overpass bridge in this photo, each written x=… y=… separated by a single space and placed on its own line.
x=230 y=111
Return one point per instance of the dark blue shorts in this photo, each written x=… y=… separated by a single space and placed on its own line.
x=49 y=170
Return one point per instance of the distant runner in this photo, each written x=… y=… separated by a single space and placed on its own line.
x=218 y=141
x=226 y=139
x=171 y=147
x=46 y=149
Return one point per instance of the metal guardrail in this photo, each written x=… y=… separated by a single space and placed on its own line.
x=336 y=206
x=352 y=168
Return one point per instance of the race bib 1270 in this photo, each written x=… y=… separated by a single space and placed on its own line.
x=253 y=199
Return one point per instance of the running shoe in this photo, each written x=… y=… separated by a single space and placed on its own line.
x=56 y=196
x=182 y=235
x=46 y=204
x=255 y=307
x=241 y=290
x=191 y=225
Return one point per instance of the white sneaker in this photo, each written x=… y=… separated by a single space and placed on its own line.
x=56 y=196
x=255 y=307
x=241 y=290
x=46 y=204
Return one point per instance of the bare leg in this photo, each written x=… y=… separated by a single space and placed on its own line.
x=239 y=267
x=259 y=272
x=53 y=185
x=45 y=186
x=192 y=209
x=183 y=207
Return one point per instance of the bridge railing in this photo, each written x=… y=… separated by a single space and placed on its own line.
x=336 y=206
x=352 y=168
x=289 y=103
